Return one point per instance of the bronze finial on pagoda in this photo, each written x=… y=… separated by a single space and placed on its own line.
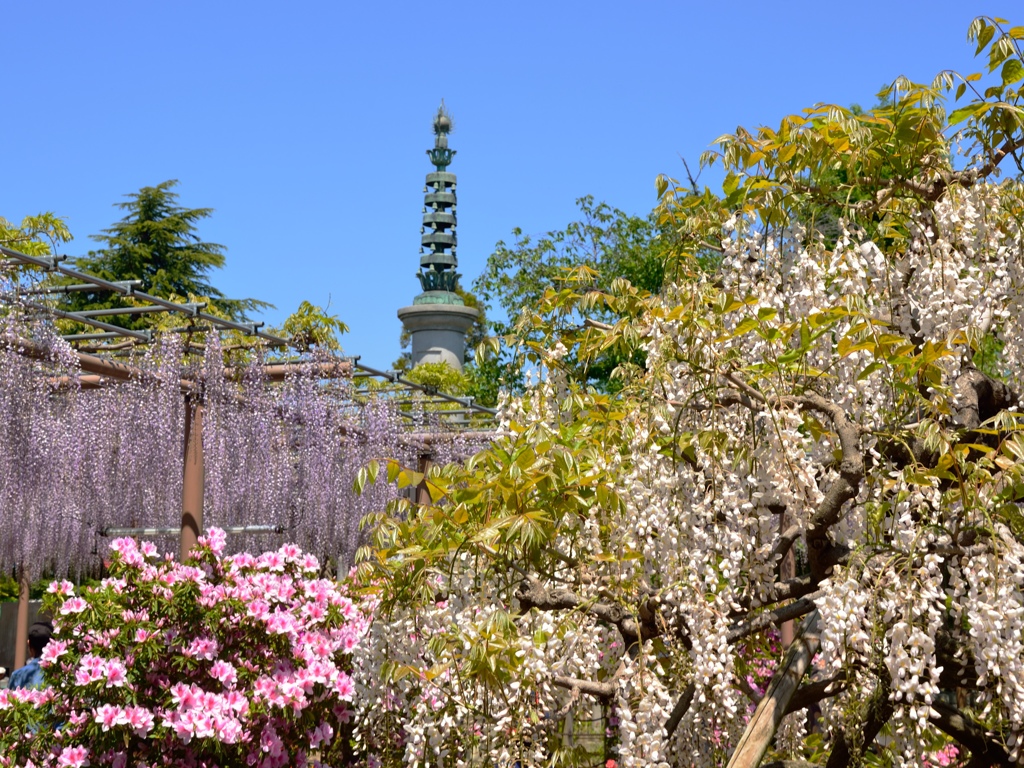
x=440 y=155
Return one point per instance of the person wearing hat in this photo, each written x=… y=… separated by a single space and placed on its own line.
x=31 y=675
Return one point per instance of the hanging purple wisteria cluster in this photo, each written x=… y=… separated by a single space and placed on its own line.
x=76 y=460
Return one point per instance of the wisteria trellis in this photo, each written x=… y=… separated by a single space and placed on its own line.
x=74 y=461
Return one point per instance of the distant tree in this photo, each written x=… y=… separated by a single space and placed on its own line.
x=310 y=326
x=156 y=242
x=609 y=241
x=604 y=246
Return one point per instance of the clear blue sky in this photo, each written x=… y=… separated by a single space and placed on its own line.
x=305 y=124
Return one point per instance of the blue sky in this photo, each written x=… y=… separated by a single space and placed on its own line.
x=305 y=124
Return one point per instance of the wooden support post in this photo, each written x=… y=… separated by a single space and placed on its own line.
x=193 y=479
x=21 y=628
x=422 y=492
x=766 y=718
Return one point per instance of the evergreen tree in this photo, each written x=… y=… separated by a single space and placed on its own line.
x=156 y=242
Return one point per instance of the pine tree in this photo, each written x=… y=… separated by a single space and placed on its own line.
x=156 y=242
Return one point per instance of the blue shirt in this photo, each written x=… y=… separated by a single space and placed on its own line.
x=29 y=676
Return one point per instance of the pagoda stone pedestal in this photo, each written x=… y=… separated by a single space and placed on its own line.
x=438 y=332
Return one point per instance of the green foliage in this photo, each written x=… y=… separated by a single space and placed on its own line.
x=441 y=377
x=36 y=235
x=156 y=242
x=310 y=326
x=9 y=589
x=603 y=251
x=486 y=380
x=605 y=239
x=870 y=166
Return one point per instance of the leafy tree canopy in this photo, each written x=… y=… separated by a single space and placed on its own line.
x=603 y=246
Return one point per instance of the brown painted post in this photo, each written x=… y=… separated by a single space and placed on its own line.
x=21 y=628
x=193 y=478
x=422 y=492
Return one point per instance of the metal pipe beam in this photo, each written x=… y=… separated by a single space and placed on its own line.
x=91 y=336
x=77 y=287
x=113 y=311
x=49 y=263
x=146 y=336
x=230 y=530
x=397 y=379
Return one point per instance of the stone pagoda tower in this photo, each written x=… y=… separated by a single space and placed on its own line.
x=438 y=319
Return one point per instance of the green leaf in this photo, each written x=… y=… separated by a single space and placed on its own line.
x=868 y=370
x=984 y=37
x=960 y=90
x=959 y=115
x=360 y=481
x=1013 y=71
x=661 y=184
x=746 y=326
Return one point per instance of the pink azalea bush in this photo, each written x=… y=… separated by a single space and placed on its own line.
x=223 y=661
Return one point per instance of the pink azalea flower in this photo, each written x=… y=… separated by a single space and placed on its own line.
x=320 y=734
x=215 y=539
x=53 y=651
x=117 y=674
x=73 y=757
x=140 y=719
x=258 y=609
x=202 y=648
x=126 y=544
x=237 y=702
x=271 y=561
x=184 y=696
x=345 y=687
x=61 y=588
x=228 y=729
x=225 y=672
x=73 y=605
x=110 y=715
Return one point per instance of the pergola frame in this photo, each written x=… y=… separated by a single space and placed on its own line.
x=129 y=288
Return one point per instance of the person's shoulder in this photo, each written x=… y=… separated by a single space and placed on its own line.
x=28 y=676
